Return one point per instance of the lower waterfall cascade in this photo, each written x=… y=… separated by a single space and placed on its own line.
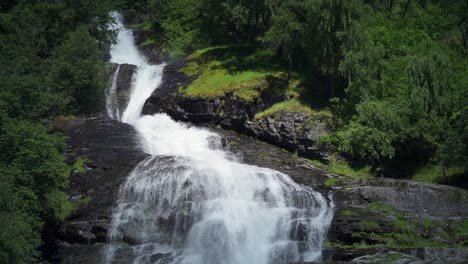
x=193 y=202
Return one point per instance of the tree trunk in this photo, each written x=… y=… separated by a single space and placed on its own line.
x=446 y=174
x=405 y=9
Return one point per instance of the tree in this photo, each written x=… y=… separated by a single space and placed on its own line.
x=430 y=79
x=81 y=80
x=32 y=176
x=374 y=133
x=286 y=31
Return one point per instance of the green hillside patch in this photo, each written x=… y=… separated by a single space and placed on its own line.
x=293 y=105
x=345 y=169
x=145 y=25
x=241 y=70
x=433 y=173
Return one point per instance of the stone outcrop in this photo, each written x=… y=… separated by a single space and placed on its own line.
x=368 y=212
x=296 y=132
x=124 y=82
x=110 y=150
x=152 y=51
x=375 y=218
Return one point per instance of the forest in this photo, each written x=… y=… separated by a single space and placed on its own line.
x=394 y=74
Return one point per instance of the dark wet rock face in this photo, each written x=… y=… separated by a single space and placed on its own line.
x=110 y=150
x=152 y=51
x=423 y=220
x=293 y=131
x=124 y=82
x=373 y=217
x=382 y=219
x=290 y=130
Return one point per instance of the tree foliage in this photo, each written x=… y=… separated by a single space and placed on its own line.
x=402 y=61
x=50 y=64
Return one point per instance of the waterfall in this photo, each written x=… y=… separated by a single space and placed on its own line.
x=112 y=104
x=191 y=202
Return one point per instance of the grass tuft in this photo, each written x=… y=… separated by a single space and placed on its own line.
x=240 y=70
x=345 y=169
x=331 y=182
x=293 y=105
x=145 y=25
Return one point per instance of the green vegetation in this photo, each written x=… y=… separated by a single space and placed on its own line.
x=383 y=207
x=392 y=72
x=365 y=225
x=331 y=182
x=396 y=240
x=78 y=165
x=385 y=226
x=50 y=69
x=148 y=42
x=81 y=203
x=434 y=173
x=293 y=105
x=145 y=25
x=242 y=71
x=345 y=169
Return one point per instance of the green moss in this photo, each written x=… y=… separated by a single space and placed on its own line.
x=398 y=240
x=348 y=213
x=148 y=42
x=247 y=94
x=81 y=203
x=379 y=206
x=145 y=25
x=331 y=182
x=463 y=229
x=367 y=225
x=391 y=257
x=292 y=105
x=344 y=169
x=196 y=54
x=62 y=118
x=241 y=70
x=191 y=69
x=400 y=224
x=428 y=224
x=78 y=165
x=216 y=82
x=433 y=173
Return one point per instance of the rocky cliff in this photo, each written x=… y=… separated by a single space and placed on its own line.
x=108 y=151
x=294 y=131
x=376 y=219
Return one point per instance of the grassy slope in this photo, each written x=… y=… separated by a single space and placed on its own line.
x=242 y=70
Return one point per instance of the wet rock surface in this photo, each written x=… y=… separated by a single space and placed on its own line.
x=145 y=41
x=110 y=150
x=372 y=216
x=124 y=85
x=290 y=130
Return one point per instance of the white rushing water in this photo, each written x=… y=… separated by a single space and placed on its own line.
x=191 y=202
